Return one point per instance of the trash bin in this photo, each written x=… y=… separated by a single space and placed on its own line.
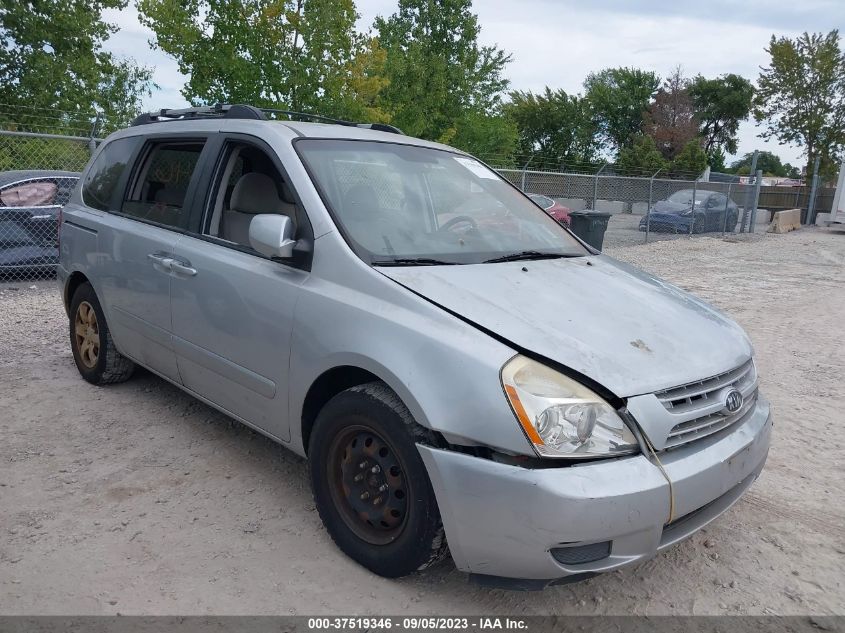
x=589 y=226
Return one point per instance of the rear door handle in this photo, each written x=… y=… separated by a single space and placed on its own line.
x=182 y=268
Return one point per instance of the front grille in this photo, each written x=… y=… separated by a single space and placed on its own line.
x=700 y=404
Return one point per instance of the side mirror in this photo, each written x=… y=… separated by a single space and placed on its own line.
x=271 y=235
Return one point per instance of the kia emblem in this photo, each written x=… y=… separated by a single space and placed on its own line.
x=733 y=401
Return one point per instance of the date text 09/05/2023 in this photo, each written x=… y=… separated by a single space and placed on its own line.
x=416 y=623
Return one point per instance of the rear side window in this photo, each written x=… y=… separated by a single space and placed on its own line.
x=157 y=192
x=103 y=176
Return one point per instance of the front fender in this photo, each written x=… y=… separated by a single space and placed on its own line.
x=444 y=370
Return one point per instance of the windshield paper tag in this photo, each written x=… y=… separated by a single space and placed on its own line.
x=475 y=167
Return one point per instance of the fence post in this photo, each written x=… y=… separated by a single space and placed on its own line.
x=692 y=209
x=727 y=204
x=92 y=145
x=758 y=181
x=596 y=186
x=811 y=205
x=524 y=169
x=648 y=208
x=751 y=172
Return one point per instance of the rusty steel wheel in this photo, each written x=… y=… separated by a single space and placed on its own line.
x=368 y=485
x=87 y=332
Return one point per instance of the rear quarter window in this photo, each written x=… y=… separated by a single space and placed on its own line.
x=102 y=178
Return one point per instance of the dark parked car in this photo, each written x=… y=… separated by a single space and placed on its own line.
x=552 y=207
x=30 y=202
x=677 y=213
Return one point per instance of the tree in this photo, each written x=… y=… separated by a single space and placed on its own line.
x=554 y=127
x=619 y=97
x=671 y=119
x=642 y=156
x=801 y=95
x=359 y=98
x=767 y=161
x=437 y=71
x=54 y=72
x=716 y=158
x=691 y=160
x=491 y=137
x=292 y=54
x=720 y=105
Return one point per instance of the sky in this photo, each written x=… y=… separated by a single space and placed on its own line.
x=557 y=43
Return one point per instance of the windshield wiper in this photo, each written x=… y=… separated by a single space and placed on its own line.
x=522 y=255
x=412 y=261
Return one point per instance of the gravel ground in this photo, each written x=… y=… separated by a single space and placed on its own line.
x=136 y=498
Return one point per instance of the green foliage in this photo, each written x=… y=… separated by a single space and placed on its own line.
x=439 y=76
x=293 y=54
x=359 y=98
x=54 y=71
x=619 y=97
x=720 y=105
x=716 y=158
x=642 y=157
x=691 y=160
x=792 y=171
x=554 y=127
x=801 y=95
x=491 y=137
x=21 y=152
x=767 y=161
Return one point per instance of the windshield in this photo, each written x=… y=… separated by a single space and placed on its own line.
x=398 y=203
x=685 y=196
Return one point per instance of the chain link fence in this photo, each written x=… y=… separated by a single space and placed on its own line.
x=644 y=209
x=38 y=172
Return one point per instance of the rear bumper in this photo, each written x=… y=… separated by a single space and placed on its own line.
x=504 y=521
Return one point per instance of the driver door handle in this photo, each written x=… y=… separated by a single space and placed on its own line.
x=161 y=261
x=182 y=268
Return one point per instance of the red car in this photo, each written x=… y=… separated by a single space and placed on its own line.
x=552 y=207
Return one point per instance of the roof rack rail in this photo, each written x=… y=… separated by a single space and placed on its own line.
x=240 y=111
x=293 y=114
x=201 y=112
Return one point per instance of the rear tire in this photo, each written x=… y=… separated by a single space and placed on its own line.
x=94 y=352
x=370 y=485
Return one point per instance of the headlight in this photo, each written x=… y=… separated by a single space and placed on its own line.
x=561 y=417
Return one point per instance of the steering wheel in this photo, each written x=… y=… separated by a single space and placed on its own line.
x=459 y=219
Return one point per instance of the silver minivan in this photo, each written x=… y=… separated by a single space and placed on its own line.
x=463 y=374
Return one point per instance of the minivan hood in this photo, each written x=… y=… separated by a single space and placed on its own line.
x=628 y=331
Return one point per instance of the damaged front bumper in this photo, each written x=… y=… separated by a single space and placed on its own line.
x=542 y=525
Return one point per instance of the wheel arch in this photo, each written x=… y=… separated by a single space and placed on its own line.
x=336 y=379
x=74 y=280
x=326 y=386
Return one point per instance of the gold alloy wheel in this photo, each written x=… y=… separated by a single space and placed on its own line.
x=87 y=333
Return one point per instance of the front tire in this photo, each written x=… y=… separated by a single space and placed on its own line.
x=370 y=485
x=94 y=352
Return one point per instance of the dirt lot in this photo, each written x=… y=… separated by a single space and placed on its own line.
x=137 y=499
